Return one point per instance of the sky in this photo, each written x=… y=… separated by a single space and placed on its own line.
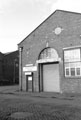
x=20 y=17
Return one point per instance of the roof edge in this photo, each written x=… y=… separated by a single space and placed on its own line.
x=36 y=28
x=46 y=20
x=10 y=52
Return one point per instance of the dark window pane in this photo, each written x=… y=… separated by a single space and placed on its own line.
x=72 y=71
x=78 y=71
x=67 y=72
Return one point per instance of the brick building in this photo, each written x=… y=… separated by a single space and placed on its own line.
x=10 y=68
x=1 y=65
x=50 y=56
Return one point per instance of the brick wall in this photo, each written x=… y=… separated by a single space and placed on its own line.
x=1 y=62
x=36 y=42
x=11 y=67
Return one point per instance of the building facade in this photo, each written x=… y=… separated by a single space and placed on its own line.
x=50 y=56
x=10 y=68
x=1 y=65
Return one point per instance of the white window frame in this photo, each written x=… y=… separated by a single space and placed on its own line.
x=76 y=71
x=70 y=72
x=69 y=67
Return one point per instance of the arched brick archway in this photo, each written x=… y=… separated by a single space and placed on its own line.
x=48 y=53
x=49 y=70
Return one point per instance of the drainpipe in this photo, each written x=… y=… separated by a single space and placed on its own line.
x=20 y=68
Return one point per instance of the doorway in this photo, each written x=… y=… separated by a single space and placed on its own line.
x=49 y=77
x=29 y=83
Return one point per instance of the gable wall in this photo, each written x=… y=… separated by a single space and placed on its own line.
x=70 y=36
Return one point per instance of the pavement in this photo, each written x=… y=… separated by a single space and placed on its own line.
x=50 y=97
x=20 y=104
x=10 y=88
x=15 y=91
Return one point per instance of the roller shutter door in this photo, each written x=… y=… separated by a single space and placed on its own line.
x=51 y=78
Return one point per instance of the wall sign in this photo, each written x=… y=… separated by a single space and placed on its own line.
x=30 y=68
x=29 y=65
x=48 y=60
x=28 y=73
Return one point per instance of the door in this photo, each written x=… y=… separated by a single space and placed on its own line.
x=29 y=83
x=51 y=78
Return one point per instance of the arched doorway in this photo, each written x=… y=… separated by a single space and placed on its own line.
x=49 y=70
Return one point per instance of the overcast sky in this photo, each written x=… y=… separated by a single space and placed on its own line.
x=19 y=17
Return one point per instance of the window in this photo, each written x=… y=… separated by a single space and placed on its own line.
x=77 y=71
x=72 y=62
x=67 y=71
x=72 y=71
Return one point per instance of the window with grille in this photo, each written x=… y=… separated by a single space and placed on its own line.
x=72 y=62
